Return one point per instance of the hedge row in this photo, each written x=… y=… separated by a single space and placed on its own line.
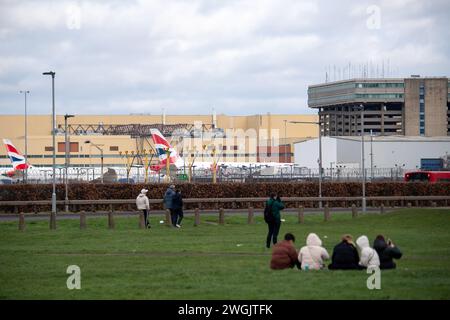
x=225 y=190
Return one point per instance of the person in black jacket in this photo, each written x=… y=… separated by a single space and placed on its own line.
x=177 y=206
x=345 y=256
x=387 y=252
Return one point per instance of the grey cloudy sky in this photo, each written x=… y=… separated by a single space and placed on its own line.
x=240 y=57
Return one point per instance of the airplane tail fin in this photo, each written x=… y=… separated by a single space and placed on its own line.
x=17 y=159
x=161 y=146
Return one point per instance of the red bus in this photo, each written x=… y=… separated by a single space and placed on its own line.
x=428 y=176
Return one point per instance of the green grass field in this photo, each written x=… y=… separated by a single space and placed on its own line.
x=217 y=262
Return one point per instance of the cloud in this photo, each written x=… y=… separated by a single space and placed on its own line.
x=242 y=57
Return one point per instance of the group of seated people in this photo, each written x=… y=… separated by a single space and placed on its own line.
x=345 y=254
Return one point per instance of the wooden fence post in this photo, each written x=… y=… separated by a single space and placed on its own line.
x=250 y=215
x=141 y=220
x=111 y=224
x=301 y=214
x=434 y=204
x=354 y=211
x=21 y=222
x=327 y=213
x=197 y=217
x=382 y=208
x=168 y=221
x=52 y=221
x=409 y=205
x=221 y=216
x=82 y=220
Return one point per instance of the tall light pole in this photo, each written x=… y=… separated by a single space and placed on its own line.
x=361 y=107
x=52 y=74
x=25 y=92
x=320 y=154
x=101 y=156
x=66 y=182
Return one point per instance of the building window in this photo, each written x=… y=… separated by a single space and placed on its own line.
x=73 y=147
x=48 y=148
x=113 y=148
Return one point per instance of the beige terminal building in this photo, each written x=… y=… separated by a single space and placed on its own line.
x=272 y=137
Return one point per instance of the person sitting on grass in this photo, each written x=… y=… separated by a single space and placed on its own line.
x=387 y=252
x=345 y=256
x=369 y=257
x=284 y=255
x=312 y=255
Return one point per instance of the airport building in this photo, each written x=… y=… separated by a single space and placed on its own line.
x=411 y=107
x=380 y=152
x=123 y=138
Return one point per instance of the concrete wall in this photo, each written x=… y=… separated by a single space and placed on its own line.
x=436 y=107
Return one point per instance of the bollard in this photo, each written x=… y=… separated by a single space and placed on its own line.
x=382 y=208
x=301 y=214
x=354 y=211
x=82 y=220
x=326 y=213
x=141 y=220
x=409 y=205
x=221 y=217
x=21 y=222
x=111 y=224
x=52 y=221
x=434 y=204
x=168 y=221
x=250 y=215
x=197 y=217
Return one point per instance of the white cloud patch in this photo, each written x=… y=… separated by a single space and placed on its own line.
x=240 y=57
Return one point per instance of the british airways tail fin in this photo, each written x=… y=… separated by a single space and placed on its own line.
x=161 y=147
x=17 y=159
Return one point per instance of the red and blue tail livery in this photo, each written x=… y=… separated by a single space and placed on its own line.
x=161 y=147
x=17 y=159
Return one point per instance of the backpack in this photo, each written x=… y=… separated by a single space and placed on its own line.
x=268 y=215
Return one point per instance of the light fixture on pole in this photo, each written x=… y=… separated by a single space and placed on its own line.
x=320 y=154
x=101 y=155
x=52 y=74
x=25 y=92
x=66 y=178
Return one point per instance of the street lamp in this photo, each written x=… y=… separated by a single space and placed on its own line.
x=361 y=107
x=66 y=142
x=320 y=154
x=101 y=155
x=25 y=92
x=52 y=74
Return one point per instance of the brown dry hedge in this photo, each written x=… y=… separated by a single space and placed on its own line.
x=224 y=190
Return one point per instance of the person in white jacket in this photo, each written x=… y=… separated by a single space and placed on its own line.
x=368 y=257
x=313 y=254
x=143 y=204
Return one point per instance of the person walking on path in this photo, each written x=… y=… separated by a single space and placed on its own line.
x=177 y=206
x=143 y=204
x=273 y=218
x=168 y=199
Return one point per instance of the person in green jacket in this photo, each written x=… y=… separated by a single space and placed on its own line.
x=274 y=223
